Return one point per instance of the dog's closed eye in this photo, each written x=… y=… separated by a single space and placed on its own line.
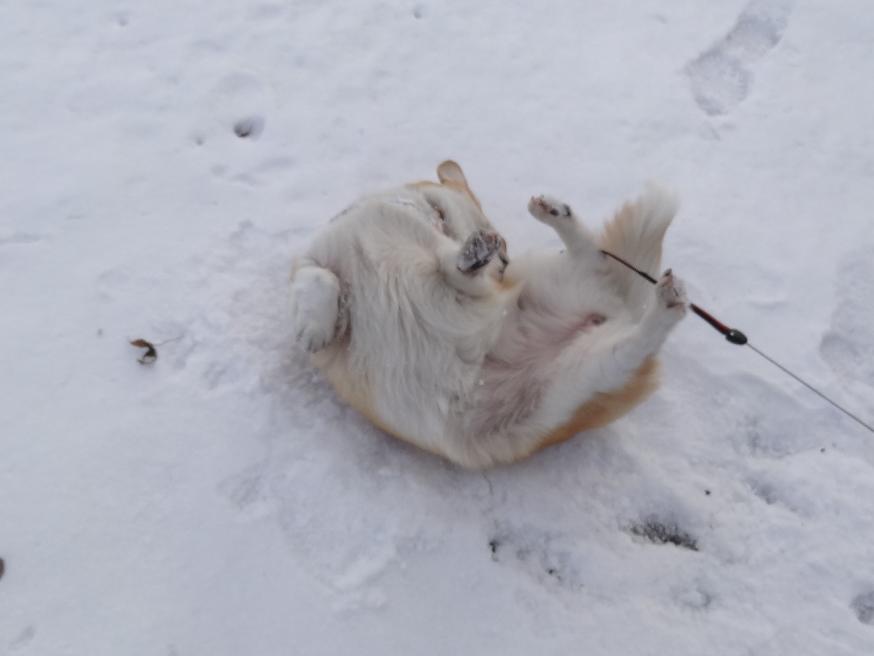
x=441 y=215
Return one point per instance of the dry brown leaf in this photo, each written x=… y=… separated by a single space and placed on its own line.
x=150 y=355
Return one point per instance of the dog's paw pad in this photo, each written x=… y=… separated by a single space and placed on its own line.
x=479 y=249
x=548 y=209
x=671 y=291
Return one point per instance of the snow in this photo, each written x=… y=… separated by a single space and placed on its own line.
x=164 y=160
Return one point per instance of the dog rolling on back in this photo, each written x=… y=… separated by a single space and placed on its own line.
x=410 y=306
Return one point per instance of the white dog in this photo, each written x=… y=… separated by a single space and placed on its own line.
x=410 y=308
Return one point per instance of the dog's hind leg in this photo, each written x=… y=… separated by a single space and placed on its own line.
x=315 y=306
x=534 y=398
x=549 y=397
x=609 y=361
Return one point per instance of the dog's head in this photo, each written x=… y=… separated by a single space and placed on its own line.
x=459 y=211
x=460 y=220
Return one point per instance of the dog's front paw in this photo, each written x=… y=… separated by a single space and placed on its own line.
x=671 y=293
x=479 y=249
x=549 y=210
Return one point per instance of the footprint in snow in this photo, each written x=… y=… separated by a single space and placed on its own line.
x=237 y=103
x=658 y=531
x=694 y=598
x=542 y=555
x=721 y=76
x=848 y=346
x=863 y=606
x=22 y=639
x=249 y=127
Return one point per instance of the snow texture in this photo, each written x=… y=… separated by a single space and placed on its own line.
x=163 y=161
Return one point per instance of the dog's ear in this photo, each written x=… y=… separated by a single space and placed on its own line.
x=450 y=174
x=450 y=171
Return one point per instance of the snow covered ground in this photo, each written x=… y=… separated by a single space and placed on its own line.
x=222 y=502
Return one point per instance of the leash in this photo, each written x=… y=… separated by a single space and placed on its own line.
x=736 y=337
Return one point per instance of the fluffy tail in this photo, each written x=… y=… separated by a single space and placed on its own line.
x=635 y=234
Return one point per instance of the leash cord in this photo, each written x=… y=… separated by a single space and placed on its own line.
x=735 y=336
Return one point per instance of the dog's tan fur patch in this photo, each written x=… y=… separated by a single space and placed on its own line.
x=596 y=413
x=356 y=394
x=608 y=407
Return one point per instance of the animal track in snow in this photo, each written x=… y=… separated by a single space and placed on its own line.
x=720 y=77
x=659 y=531
x=20 y=238
x=782 y=494
x=863 y=607
x=543 y=555
x=695 y=598
x=23 y=639
x=848 y=346
x=113 y=283
x=770 y=422
x=235 y=104
x=247 y=492
x=250 y=127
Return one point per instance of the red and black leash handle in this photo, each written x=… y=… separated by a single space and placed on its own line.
x=735 y=336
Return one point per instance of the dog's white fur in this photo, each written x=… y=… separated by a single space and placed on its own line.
x=405 y=304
